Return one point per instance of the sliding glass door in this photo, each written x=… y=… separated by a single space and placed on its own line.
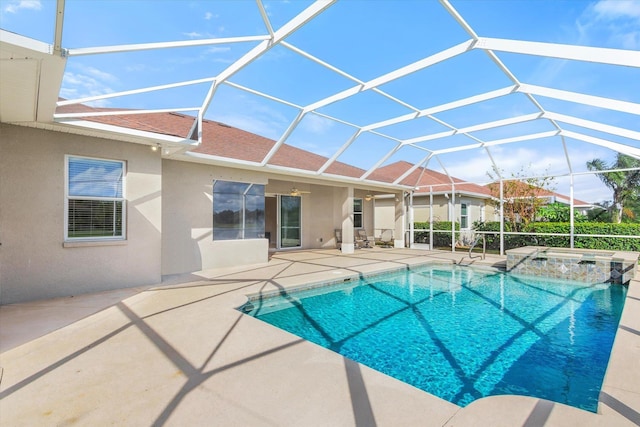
x=290 y=230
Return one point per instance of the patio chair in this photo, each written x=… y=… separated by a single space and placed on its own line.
x=362 y=241
x=386 y=238
x=338 y=235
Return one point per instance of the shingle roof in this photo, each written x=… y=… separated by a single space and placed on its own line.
x=423 y=180
x=221 y=140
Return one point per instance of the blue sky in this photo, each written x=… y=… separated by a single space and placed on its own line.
x=364 y=39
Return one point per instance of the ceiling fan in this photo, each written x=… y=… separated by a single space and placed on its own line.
x=295 y=192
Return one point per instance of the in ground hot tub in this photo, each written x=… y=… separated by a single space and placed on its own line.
x=585 y=265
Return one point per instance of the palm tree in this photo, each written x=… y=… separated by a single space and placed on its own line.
x=624 y=183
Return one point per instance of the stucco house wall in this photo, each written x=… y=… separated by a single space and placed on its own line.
x=187 y=240
x=168 y=220
x=35 y=262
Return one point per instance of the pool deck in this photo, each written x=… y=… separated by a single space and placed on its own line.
x=178 y=353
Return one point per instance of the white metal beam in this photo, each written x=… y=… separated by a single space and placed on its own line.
x=421 y=64
x=286 y=30
x=521 y=138
x=162 y=45
x=475 y=128
x=320 y=62
x=265 y=17
x=282 y=139
x=628 y=58
x=264 y=95
x=443 y=107
x=621 y=148
x=458 y=148
x=57 y=34
x=594 y=101
x=339 y=152
x=133 y=92
x=381 y=161
x=600 y=127
x=122 y=112
x=334 y=98
x=431 y=137
x=499 y=123
x=469 y=101
x=412 y=169
x=394 y=75
x=453 y=12
x=389 y=122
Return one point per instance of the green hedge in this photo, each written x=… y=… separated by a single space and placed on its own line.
x=440 y=240
x=608 y=243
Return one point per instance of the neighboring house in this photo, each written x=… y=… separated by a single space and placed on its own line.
x=547 y=196
x=450 y=198
x=579 y=206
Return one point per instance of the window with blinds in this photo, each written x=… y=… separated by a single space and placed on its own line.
x=95 y=204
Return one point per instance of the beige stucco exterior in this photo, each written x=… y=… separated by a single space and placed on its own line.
x=168 y=217
x=34 y=261
x=187 y=241
x=187 y=236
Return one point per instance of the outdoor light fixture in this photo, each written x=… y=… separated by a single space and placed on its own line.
x=368 y=197
x=295 y=192
x=155 y=147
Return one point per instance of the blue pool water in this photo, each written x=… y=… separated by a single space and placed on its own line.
x=462 y=334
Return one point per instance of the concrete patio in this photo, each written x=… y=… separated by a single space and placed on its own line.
x=180 y=354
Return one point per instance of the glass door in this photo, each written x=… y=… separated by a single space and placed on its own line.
x=289 y=227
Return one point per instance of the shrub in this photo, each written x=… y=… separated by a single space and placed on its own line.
x=439 y=239
x=586 y=242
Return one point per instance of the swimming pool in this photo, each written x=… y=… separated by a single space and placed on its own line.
x=462 y=333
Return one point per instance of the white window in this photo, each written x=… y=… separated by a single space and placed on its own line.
x=357 y=213
x=464 y=216
x=95 y=207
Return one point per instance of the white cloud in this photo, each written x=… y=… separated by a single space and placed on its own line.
x=512 y=160
x=88 y=81
x=316 y=124
x=193 y=34
x=246 y=113
x=208 y=16
x=615 y=9
x=249 y=123
x=218 y=49
x=16 y=5
x=617 y=21
x=100 y=75
x=135 y=68
x=629 y=40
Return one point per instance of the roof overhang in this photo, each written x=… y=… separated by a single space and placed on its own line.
x=31 y=79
